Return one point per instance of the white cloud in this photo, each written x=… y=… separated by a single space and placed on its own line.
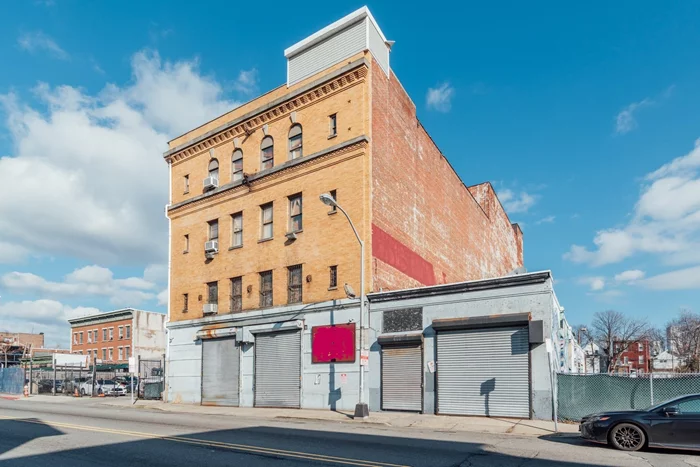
x=90 y=168
x=156 y=273
x=632 y=275
x=625 y=120
x=595 y=283
x=546 y=220
x=47 y=316
x=84 y=282
x=688 y=278
x=665 y=220
x=38 y=41
x=163 y=297
x=247 y=81
x=516 y=202
x=440 y=98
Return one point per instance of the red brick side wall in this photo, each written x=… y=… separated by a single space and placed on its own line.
x=427 y=227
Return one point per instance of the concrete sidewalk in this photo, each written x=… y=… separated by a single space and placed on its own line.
x=390 y=419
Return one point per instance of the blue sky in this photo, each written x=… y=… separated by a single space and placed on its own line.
x=575 y=114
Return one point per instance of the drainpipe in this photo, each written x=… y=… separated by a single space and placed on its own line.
x=166 y=380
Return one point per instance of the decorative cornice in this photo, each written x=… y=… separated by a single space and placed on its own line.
x=246 y=124
x=273 y=173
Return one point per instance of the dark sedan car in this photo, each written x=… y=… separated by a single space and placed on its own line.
x=672 y=424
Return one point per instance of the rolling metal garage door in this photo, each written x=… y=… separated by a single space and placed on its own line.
x=278 y=369
x=220 y=370
x=484 y=372
x=402 y=378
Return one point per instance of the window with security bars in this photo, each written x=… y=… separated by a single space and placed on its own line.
x=295 y=142
x=333 y=283
x=294 y=284
x=267 y=158
x=237 y=229
x=237 y=165
x=266 y=219
x=213 y=292
x=266 y=288
x=295 y=213
x=236 y=294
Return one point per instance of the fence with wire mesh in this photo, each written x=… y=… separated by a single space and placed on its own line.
x=579 y=395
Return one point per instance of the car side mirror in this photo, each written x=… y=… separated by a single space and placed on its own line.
x=671 y=411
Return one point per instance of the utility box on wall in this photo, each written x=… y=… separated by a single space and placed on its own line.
x=333 y=344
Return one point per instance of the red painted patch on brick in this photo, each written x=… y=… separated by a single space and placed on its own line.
x=397 y=255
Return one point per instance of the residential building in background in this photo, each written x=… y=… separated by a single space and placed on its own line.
x=16 y=345
x=259 y=265
x=593 y=357
x=114 y=336
x=634 y=359
x=667 y=361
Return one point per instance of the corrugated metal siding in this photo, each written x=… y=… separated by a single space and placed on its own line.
x=378 y=47
x=402 y=378
x=278 y=369
x=484 y=372
x=328 y=52
x=220 y=371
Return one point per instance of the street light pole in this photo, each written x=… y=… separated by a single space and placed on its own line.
x=361 y=409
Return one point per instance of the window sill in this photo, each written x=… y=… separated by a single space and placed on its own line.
x=185 y=252
x=186 y=192
x=294 y=232
x=330 y=213
x=333 y=136
x=263 y=240
x=332 y=288
x=237 y=247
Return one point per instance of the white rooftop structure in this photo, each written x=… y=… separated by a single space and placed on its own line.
x=338 y=41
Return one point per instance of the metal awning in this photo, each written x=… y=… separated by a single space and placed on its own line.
x=403 y=338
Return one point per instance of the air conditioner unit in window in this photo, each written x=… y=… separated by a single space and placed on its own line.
x=210 y=308
x=212 y=246
x=210 y=183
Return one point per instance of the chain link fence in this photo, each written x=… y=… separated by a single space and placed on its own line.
x=580 y=395
x=68 y=381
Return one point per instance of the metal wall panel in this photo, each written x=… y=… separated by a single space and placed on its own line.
x=484 y=372
x=220 y=371
x=402 y=378
x=328 y=52
x=378 y=48
x=278 y=369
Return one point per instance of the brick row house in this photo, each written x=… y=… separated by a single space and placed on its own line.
x=257 y=260
x=114 y=336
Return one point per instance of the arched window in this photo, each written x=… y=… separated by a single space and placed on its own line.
x=214 y=168
x=295 y=142
x=267 y=158
x=237 y=165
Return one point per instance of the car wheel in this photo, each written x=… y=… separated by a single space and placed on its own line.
x=627 y=437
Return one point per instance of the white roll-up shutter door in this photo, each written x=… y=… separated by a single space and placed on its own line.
x=278 y=369
x=220 y=371
x=402 y=377
x=484 y=372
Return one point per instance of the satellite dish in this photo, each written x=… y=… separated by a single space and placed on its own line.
x=349 y=291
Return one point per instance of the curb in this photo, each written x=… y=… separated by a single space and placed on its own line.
x=9 y=398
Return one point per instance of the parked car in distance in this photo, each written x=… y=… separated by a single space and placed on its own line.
x=126 y=382
x=107 y=387
x=46 y=386
x=672 y=424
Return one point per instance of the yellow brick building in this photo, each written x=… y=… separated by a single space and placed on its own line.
x=258 y=262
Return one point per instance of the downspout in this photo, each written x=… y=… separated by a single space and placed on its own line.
x=167 y=319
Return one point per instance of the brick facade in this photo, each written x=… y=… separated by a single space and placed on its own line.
x=420 y=223
x=428 y=228
x=23 y=339
x=635 y=359
x=83 y=341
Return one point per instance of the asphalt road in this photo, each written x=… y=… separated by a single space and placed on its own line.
x=37 y=434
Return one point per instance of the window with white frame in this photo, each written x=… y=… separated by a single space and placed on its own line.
x=111 y=333
x=111 y=353
x=266 y=220
x=121 y=353
x=128 y=331
x=121 y=332
x=237 y=165
x=237 y=229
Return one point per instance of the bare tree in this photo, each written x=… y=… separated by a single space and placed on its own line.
x=615 y=333
x=684 y=339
